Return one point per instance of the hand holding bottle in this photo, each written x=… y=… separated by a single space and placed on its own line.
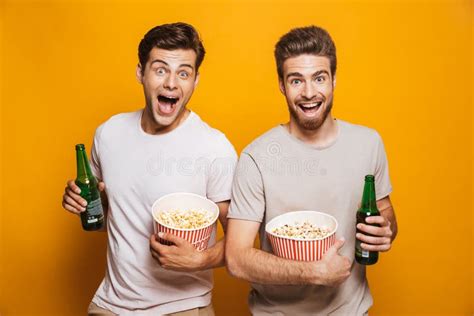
x=72 y=200
x=375 y=238
x=374 y=232
x=82 y=196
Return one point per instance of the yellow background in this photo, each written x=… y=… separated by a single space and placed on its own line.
x=405 y=69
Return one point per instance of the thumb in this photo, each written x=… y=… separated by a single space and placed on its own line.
x=172 y=238
x=338 y=245
x=101 y=186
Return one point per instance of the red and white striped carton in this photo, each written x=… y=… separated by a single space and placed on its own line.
x=297 y=248
x=199 y=237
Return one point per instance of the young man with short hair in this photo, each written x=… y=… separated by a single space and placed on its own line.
x=313 y=162
x=143 y=155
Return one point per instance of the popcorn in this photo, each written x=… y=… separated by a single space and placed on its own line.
x=187 y=219
x=301 y=231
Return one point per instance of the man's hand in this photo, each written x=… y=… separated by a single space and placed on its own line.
x=333 y=269
x=375 y=238
x=258 y=266
x=182 y=256
x=72 y=201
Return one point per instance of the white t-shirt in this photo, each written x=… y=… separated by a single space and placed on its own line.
x=137 y=169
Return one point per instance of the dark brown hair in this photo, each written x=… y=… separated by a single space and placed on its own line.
x=305 y=40
x=170 y=37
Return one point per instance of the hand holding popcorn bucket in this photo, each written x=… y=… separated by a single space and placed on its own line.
x=186 y=215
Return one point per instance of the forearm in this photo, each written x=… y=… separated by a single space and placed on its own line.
x=258 y=266
x=213 y=257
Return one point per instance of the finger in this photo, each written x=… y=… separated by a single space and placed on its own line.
x=155 y=255
x=101 y=186
x=349 y=263
x=347 y=267
x=376 y=220
x=153 y=243
x=76 y=197
x=372 y=239
x=157 y=246
x=337 y=245
x=72 y=203
x=382 y=248
x=73 y=186
x=172 y=238
x=70 y=209
x=375 y=230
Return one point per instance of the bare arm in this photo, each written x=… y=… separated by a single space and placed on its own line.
x=182 y=256
x=254 y=265
x=382 y=235
x=213 y=257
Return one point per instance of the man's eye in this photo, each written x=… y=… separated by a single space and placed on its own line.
x=183 y=74
x=160 y=71
x=320 y=79
x=295 y=81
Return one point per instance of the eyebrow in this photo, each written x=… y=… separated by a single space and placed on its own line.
x=297 y=74
x=164 y=62
x=319 y=72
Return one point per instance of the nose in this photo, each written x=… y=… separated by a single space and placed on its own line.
x=170 y=82
x=309 y=91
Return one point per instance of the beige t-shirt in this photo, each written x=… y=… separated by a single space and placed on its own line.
x=137 y=169
x=278 y=173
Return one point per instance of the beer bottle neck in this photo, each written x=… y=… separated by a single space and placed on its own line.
x=369 y=202
x=83 y=167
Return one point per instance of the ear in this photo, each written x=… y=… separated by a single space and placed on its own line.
x=334 y=82
x=138 y=74
x=196 y=80
x=282 y=86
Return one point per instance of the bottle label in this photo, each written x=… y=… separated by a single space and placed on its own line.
x=94 y=208
x=364 y=254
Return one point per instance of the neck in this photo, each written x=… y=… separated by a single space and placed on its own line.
x=150 y=126
x=322 y=136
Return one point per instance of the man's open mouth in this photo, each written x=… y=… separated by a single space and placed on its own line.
x=167 y=104
x=310 y=108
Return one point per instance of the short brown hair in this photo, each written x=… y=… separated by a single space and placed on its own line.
x=170 y=37
x=305 y=40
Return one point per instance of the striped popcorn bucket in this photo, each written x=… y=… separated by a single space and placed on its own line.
x=199 y=237
x=297 y=248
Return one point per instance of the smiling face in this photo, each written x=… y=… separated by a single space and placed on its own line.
x=168 y=80
x=308 y=87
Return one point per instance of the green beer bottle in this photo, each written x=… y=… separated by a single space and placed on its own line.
x=93 y=217
x=367 y=208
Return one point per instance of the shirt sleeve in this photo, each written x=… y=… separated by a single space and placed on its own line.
x=221 y=173
x=248 y=196
x=95 y=158
x=383 y=186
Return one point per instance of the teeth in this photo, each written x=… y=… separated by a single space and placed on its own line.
x=310 y=105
